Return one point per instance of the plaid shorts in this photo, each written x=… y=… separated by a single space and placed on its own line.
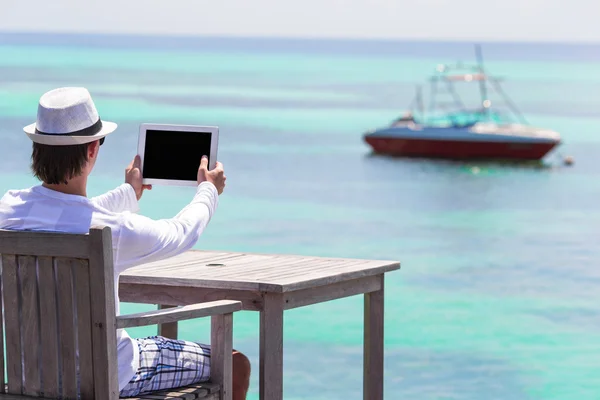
x=167 y=364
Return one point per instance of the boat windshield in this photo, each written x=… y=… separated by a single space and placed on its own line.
x=463 y=118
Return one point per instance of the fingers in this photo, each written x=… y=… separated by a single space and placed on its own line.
x=135 y=163
x=147 y=187
x=204 y=162
x=219 y=165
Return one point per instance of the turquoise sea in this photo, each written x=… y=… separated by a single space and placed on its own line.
x=498 y=296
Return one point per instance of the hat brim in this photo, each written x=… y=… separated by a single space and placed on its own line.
x=67 y=140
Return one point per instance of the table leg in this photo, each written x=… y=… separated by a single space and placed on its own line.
x=271 y=347
x=373 y=345
x=168 y=330
x=221 y=339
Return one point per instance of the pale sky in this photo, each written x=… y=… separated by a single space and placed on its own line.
x=505 y=20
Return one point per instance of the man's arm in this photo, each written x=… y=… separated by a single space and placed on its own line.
x=126 y=196
x=143 y=240
x=118 y=200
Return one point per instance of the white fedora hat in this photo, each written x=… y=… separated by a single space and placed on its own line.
x=68 y=116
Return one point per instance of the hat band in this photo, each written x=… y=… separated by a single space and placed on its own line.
x=89 y=131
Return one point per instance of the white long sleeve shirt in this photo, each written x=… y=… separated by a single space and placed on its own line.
x=136 y=239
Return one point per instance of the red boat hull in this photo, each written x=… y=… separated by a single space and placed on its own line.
x=454 y=149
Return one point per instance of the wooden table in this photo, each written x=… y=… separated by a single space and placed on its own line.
x=270 y=284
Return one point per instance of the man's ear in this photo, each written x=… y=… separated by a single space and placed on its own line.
x=93 y=149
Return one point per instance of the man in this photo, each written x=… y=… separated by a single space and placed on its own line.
x=66 y=139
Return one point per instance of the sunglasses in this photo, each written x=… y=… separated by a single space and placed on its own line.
x=102 y=141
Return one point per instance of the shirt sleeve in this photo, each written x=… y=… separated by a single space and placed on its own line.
x=143 y=240
x=118 y=200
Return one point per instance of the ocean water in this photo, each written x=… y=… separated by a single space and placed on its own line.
x=498 y=293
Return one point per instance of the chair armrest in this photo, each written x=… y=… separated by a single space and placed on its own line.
x=181 y=313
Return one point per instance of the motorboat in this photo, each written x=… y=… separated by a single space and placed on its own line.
x=448 y=128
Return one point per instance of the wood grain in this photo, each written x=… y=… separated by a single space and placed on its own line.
x=254 y=272
x=13 y=326
x=271 y=348
x=103 y=314
x=186 y=258
x=251 y=265
x=180 y=313
x=81 y=279
x=43 y=244
x=48 y=327
x=169 y=330
x=373 y=345
x=221 y=353
x=208 y=262
x=334 y=276
x=205 y=391
x=320 y=294
x=270 y=283
x=173 y=295
x=30 y=329
x=66 y=323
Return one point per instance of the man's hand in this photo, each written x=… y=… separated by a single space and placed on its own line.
x=133 y=176
x=216 y=176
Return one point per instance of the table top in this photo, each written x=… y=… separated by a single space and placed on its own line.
x=275 y=273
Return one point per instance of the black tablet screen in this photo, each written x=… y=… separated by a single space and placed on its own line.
x=175 y=155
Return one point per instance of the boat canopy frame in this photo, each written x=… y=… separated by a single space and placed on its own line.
x=445 y=78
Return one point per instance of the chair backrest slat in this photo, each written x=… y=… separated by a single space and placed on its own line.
x=59 y=343
x=30 y=325
x=66 y=325
x=48 y=326
x=104 y=322
x=44 y=244
x=11 y=319
x=81 y=280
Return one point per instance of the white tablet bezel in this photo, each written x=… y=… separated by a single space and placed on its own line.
x=214 y=144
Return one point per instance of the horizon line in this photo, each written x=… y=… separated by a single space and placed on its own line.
x=298 y=38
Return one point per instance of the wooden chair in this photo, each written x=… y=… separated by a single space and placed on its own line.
x=60 y=324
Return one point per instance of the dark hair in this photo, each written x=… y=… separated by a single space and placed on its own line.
x=58 y=164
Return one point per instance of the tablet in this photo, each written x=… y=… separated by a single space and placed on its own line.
x=171 y=154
